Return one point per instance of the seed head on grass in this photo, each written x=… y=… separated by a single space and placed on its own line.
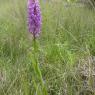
x=34 y=17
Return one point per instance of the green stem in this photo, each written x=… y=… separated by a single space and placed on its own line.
x=36 y=66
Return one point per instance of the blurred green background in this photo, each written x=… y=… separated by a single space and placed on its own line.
x=66 y=51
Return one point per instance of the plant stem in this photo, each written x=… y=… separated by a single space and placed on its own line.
x=37 y=68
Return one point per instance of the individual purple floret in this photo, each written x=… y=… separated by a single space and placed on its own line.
x=34 y=17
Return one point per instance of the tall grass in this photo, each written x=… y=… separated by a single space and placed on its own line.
x=66 y=47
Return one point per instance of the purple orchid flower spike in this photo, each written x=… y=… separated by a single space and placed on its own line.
x=34 y=17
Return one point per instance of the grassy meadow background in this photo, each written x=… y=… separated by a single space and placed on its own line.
x=66 y=50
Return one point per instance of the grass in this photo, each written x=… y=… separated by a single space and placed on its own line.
x=65 y=50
